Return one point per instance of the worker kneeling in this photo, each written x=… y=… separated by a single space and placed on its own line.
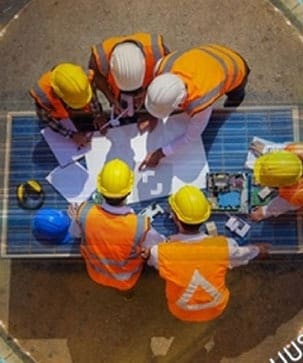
x=194 y=265
x=283 y=170
x=113 y=235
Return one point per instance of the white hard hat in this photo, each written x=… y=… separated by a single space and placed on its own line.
x=127 y=64
x=164 y=94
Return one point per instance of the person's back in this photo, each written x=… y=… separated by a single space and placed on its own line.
x=194 y=265
x=194 y=271
x=208 y=72
x=283 y=170
x=112 y=234
x=112 y=245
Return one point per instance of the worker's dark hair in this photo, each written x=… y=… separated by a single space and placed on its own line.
x=115 y=202
x=190 y=227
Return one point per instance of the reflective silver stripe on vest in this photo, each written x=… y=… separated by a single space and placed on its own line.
x=215 y=91
x=169 y=63
x=210 y=95
x=199 y=281
x=204 y=99
x=138 y=235
x=133 y=253
x=157 y=50
x=235 y=64
x=42 y=96
x=121 y=276
x=105 y=261
x=102 y=59
x=82 y=218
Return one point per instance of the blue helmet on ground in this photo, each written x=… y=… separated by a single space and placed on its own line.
x=51 y=226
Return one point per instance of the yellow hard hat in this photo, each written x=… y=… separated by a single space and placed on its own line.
x=70 y=83
x=190 y=205
x=115 y=180
x=278 y=169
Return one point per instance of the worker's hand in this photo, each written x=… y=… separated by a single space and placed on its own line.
x=145 y=253
x=263 y=249
x=81 y=139
x=152 y=159
x=146 y=123
x=99 y=123
x=138 y=99
x=257 y=215
x=72 y=210
x=117 y=107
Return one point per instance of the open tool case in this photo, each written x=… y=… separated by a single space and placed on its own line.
x=228 y=192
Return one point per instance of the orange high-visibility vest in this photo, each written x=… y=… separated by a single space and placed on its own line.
x=44 y=95
x=293 y=194
x=112 y=246
x=152 y=47
x=195 y=277
x=208 y=72
x=296 y=148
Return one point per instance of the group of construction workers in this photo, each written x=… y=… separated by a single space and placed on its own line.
x=139 y=72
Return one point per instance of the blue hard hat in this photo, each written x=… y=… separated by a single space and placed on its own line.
x=51 y=226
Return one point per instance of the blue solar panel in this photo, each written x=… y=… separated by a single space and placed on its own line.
x=226 y=139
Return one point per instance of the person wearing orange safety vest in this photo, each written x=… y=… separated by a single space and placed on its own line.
x=282 y=170
x=112 y=234
x=192 y=81
x=194 y=265
x=63 y=93
x=123 y=68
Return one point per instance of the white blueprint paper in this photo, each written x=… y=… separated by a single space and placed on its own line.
x=188 y=166
x=64 y=150
x=269 y=146
x=73 y=182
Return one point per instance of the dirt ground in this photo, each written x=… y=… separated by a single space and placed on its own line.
x=56 y=312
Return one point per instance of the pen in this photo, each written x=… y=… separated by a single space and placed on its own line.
x=88 y=138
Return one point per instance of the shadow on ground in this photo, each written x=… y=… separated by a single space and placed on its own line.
x=56 y=300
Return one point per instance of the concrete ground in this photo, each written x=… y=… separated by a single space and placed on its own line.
x=54 y=310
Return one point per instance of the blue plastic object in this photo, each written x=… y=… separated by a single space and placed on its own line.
x=51 y=225
x=229 y=200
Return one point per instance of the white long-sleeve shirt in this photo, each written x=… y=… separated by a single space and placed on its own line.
x=238 y=255
x=278 y=206
x=196 y=125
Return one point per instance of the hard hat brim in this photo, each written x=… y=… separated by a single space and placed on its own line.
x=154 y=111
x=182 y=218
